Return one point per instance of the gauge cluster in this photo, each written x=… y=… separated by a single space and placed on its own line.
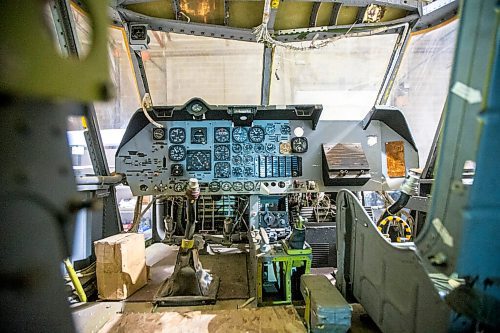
x=224 y=157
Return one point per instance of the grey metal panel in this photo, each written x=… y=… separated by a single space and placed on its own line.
x=435 y=13
x=322 y=239
x=147 y=170
x=418 y=203
x=181 y=27
x=389 y=281
x=266 y=75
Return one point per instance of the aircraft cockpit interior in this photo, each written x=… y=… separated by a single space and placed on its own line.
x=250 y=166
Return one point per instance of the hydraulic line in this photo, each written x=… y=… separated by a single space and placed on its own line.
x=408 y=188
x=76 y=282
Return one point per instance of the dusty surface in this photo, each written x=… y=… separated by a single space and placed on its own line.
x=278 y=319
x=228 y=264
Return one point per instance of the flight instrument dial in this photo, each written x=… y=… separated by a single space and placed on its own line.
x=259 y=148
x=214 y=186
x=299 y=145
x=221 y=135
x=222 y=170
x=256 y=134
x=198 y=160
x=222 y=153
x=176 y=153
x=240 y=134
x=177 y=135
x=158 y=133
x=199 y=135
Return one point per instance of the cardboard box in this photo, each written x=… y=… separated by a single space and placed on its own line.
x=120 y=265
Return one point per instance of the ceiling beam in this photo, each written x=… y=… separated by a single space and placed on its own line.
x=272 y=18
x=361 y=14
x=176 y=9
x=226 y=12
x=220 y=31
x=314 y=14
x=335 y=13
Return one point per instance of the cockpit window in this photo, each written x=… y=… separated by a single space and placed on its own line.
x=115 y=113
x=421 y=86
x=180 y=67
x=344 y=76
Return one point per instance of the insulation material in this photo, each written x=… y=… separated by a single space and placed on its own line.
x=120 y=265
x=395 y=152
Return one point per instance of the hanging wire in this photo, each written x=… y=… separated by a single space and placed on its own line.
x=262 y=34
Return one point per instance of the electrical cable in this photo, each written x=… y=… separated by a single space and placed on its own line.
x=146 y=104
x=262 y=34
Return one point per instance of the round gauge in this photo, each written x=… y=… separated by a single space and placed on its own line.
x=179 y=187
x=237 y=172
x=199 y=135
x=177 y=135
x=256 y=134
x=158 y=133
x=247 y=159
x=196 y=107
x=222 y=153
x=199 y=160
x=222 y=170
x=226 y=186
x=221 y=135
x=237 y=148
x=247 y=148
x=248 y=186
x=270 y=148
x=248 y=171
x=285 y=129
x=270 y=129
x=176 y=153
x=285 y=147
x=240 y=134
x=299 y=145
x=259 y=148
x=237 y=160
x=238 y=186
x=176 y=170
x=214 y=186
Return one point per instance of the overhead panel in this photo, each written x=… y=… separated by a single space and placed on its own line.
x=393 y=14
x=203 y=11
x=293 y=15
x=347 y=15
x=245 y=14
x=161 y=9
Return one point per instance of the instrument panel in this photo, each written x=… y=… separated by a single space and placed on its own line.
x=283 y=149
x=224 y=158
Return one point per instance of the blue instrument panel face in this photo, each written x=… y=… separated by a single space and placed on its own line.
x=225 y=159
